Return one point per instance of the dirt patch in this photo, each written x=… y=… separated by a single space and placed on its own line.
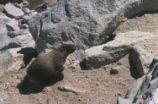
x=97 y=86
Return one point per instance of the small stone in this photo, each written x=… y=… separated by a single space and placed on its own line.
x=113 y=71
x=97 y=84
x=19 y=5
x=13 y=11
x=47 y=89
x=119 y=63
x=105 y=68
x=118 y=94
x=25 y=3
x=79 y=99
x=26 y=10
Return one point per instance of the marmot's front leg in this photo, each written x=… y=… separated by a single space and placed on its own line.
x=59 y=69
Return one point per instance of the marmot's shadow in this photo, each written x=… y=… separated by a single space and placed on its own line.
x=30 y=88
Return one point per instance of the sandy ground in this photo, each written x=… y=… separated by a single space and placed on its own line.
x=96 y=86
x=145 y=23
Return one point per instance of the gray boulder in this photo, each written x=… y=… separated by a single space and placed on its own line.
x=13 y=25
x=4 y=39
x=144 y=90
x=98 y=56
x=17 y=39
x=139 y=61
x=86 y=23
x=12 y=40
x=3 y=21
x=23 y=38
x=13 y=11
x=11 y=36
x=112 y=51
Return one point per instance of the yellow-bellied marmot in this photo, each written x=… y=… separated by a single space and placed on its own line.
x=47 y=64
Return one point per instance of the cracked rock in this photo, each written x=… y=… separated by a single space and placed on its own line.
x=112 y=51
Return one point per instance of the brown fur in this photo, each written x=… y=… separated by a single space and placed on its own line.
x=47 y=64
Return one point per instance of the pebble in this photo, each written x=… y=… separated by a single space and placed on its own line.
x=66 y=88
x=113 y=71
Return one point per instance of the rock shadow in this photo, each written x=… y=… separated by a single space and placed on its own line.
x=136 y=68
x=27 y=88
x=28 y=53
x=83 y=65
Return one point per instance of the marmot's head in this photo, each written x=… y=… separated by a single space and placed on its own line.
x=69 y=48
